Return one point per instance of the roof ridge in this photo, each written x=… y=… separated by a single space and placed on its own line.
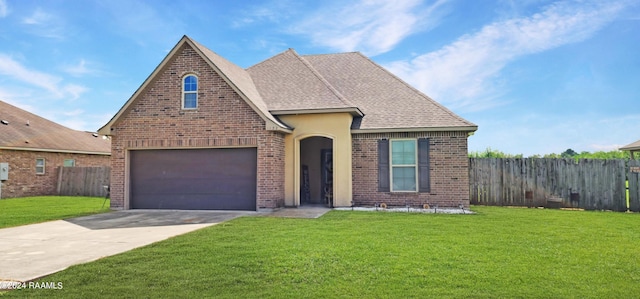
x=270 y=58
x=323 y=80
x=326 y=54
x=416 y=90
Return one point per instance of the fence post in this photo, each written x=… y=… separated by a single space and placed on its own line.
x=633 y=179
x=60 y=170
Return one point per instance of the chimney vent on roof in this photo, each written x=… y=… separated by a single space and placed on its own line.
x=28 y=123
x=4 y=122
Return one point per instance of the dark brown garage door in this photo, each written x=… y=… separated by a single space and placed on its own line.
x=194 y=179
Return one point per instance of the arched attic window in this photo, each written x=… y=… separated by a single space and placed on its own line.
x=190 y=92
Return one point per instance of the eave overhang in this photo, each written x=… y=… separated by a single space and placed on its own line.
x=352 y=110
x=417 y=129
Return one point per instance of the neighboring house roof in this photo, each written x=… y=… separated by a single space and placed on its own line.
x=289 y=83
x=631 y=147
x=22 y=130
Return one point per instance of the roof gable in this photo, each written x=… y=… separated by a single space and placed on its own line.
x=233 y=75
x=289 y=83
x=26 y=131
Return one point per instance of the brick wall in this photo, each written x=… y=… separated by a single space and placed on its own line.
x=449 y=166
x=222 y=119
x=23 y=180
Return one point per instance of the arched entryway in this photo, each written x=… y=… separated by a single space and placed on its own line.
x=316 y=171
x=317 y=132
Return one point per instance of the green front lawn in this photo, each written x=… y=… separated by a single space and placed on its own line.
x=28 y=210
x=499 y=253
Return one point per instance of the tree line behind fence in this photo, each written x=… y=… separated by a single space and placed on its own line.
x=533 y=182
x=83 y=181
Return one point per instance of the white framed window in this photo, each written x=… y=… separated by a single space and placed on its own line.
x=190 y=92
x=404 y=165
x=40 y=165
x=69 y=163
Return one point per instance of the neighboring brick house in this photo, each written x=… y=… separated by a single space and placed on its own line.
x=334 y=129
x=34 y=148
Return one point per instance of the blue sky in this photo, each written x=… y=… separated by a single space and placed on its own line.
x=537 y=77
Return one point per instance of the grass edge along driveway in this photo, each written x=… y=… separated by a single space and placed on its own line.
x=30 y=210
x=499 y=252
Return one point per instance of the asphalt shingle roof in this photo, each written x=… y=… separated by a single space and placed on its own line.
x=631 y=147
x=288 y=82
x=25 y=130
x=385 y=100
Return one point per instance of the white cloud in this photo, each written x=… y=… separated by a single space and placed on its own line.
x=74 y=90
x=370 y=26
x=13 y=69
x=38 y=17
x=44 y=24
x=465 y=73
x=79 y=69
x=4 y=9
x=257 y=14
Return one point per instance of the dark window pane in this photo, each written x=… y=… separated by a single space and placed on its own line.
x=190 y=83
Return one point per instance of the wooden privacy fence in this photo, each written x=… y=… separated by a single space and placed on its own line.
x=83 y=181
x=533 y=182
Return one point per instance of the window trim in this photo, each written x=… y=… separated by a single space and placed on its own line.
x=44 y=163
x=415 y=165
x=184 y=93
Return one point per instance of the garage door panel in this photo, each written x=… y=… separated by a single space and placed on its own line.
x=173 y=202
x=227 y=171
x=194 y=179
x=195 y=186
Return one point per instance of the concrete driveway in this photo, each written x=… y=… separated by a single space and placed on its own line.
x=32 y=251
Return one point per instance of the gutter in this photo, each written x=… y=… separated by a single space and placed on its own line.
x=54 y=151
x=429 y=129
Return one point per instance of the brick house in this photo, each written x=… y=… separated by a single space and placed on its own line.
x=34 y=148
x=335 y=129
